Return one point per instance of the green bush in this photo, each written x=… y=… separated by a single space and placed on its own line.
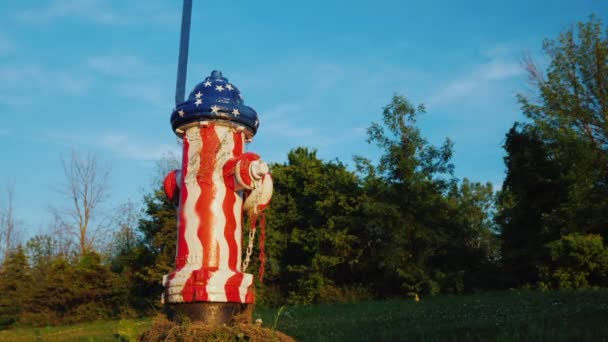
x=575 y=261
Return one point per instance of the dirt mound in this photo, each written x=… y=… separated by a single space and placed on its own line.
x=164 y=330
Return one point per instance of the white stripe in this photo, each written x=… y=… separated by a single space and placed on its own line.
x=245 y=283
x=238 y=212
x=195 y=248
x=215 y=285
x=223 y=155
x=237 y=209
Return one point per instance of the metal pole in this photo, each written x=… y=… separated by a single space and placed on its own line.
x=182 y=63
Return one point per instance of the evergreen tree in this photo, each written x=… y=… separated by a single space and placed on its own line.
x=15 y=286
x=531 y=193
x=311 y=222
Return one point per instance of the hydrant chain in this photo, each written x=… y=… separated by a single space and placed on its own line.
x=249 y=246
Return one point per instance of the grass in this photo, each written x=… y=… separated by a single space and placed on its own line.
x=504 y=316
x=123 y=330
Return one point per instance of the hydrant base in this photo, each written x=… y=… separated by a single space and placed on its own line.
x=210 y=313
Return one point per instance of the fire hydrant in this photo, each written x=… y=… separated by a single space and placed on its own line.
x=218 y=185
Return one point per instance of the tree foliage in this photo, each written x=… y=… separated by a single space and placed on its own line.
x=573 y=97
x=576 y=260
x=311 y=220
x=557 y=165
x=422 y=229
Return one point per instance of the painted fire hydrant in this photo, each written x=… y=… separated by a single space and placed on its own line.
x=219 y=184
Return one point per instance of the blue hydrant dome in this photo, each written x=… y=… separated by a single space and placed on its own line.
x=215 y=99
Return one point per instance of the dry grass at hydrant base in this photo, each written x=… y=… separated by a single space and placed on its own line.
x=164 y=330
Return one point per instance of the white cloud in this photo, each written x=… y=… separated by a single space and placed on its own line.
x=501 y=50
x=156 y=94
x=131 y=148
x=282 y=110
x=125 y=66
x=480 y=77
x=103 y=12
x=95 y=10
x=134 y=79
x=328 y=75
x=498 y=70
x=282 y=120
x=35 y=78
x=119 y=143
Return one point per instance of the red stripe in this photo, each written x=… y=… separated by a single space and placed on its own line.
x=232 y=287
x=250 y=296
x=208 y=161
x=228 y=207
x=188 y=290
x=182 y=245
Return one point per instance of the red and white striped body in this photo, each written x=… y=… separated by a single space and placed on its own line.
x=208 y=261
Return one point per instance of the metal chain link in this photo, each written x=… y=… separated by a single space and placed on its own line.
x=249 y=247
x=253 y=218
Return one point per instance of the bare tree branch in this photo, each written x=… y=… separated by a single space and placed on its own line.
x=86 y=188
x=8 y=225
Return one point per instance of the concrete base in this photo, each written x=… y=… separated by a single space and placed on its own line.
x=210 y=313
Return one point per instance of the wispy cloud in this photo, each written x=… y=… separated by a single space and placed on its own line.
x=122 y=66
x=501 y=50
x=119 y=143
x=481 y=76
x=127 y=146
x=133 y=78
x=5 y=131
x=95 y=10
x=328 y=75
x=35 y=78
x=102 y=12
x=282 y=111
x=282 y=120
x=149 y=92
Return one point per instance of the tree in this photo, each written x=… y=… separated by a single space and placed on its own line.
x=557 y=165
x=576 y=260
x=531 y=193
x=406 y=203
x=311 y=245
x=41 y=250
x=148 y=253
x=15 y=286
x=85 y=189
x=474 y=247
x=8 y=224
x=573 y=97
x=570 y=114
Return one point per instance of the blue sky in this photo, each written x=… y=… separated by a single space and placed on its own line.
x=99 y=76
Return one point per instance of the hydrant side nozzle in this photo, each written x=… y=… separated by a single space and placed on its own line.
x=171 y=185
x=258 y=169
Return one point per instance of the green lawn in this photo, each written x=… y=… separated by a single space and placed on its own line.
x=504 y=316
